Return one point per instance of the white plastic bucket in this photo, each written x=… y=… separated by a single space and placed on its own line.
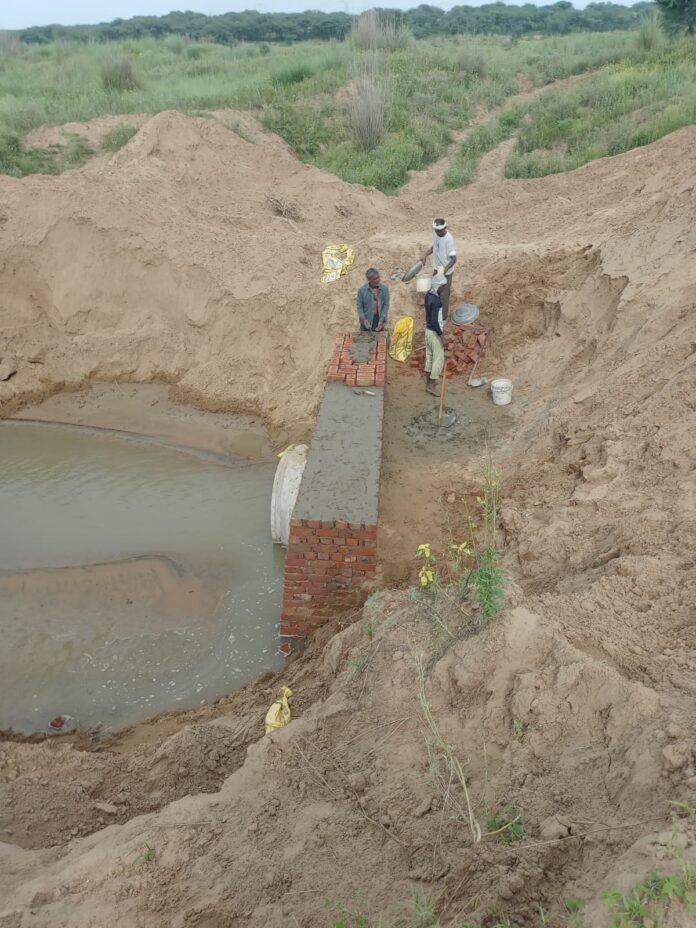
x=501 y=391
x=423 y=283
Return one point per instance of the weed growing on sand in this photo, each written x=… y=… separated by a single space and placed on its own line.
x=19 y=162
x=147 y=855
x=117 y=137
x=646 y=902
x=445 y=767
x=288 y=209
x=488 y=578
x=507 y=826
x=357 y=664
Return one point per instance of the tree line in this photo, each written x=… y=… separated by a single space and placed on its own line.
x=423 y=21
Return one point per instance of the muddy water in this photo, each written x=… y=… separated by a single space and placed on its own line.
x=134 y=577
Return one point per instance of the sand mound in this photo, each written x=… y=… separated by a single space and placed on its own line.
x=575 y=707
x=169 y=263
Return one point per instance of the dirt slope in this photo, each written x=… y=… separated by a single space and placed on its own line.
x=578 y=703
x=170 y=264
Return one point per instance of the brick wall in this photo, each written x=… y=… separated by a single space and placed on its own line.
x=332 y=549
x=326 y=566
x=344 y=369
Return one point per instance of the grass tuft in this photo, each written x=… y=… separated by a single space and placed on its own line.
x=117 y=74
x=117 y=137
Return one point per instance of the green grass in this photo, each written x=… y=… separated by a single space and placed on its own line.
x=645 y=904
x=431 y=89
x=623 y=106
x=117 y=137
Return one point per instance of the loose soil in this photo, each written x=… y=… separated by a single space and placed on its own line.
x=573 y=709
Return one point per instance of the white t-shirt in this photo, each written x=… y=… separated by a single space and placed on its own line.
x=443 y=249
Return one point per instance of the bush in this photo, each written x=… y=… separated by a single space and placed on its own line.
x=293 y=74
x=372 y=30
x=367 y=111
x=118 y=137
x=117 y=74
x=649 y=37
x=194 y=52
x=472 y=63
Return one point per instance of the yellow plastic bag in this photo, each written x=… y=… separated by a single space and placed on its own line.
x=336 y=260
x=279 y=714
x=401 y=342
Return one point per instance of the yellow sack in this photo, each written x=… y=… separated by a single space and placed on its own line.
x=401 y=342
x=279 y=714
x=336 y=260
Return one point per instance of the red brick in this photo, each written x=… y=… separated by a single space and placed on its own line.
x=314 y=523
x=296 y=523
x=323 y=555
x=368 y=552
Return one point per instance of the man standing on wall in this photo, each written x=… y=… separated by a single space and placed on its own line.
x=444 y=256
x=372 y=303
x=434 y=352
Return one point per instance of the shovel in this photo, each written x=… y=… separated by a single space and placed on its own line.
x=476 y=381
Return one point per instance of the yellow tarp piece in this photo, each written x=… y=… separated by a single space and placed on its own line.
x=336 y=260
x=401 y=341
x=279 y=714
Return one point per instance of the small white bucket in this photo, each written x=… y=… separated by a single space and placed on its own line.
x=423 y=283
x=501 y=391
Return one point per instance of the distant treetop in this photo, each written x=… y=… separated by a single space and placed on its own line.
x=424 y=21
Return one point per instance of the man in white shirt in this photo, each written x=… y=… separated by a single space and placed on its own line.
x=444 y=256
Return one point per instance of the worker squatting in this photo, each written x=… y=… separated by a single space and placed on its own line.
x=372 y=302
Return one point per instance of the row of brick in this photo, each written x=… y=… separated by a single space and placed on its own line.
x=325 y=567
x=343 y=369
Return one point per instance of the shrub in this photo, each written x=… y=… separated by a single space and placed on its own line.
x=372 y=30
x=367 y=111
x=472 y=63
x=293 y=74
x=117 y=74
x=194 y=52
x=117 y=137
x=649 y=36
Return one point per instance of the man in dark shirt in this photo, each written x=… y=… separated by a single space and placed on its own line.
x=372 y=303
x=434 y=352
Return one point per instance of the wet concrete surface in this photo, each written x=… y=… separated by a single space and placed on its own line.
x=341 y=479
x=134 y=578
x=363 y=345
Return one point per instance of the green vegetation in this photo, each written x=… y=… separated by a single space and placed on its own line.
x=645 y=904
x=678 y=15
x=506 y=826
x=620 y=108
x=117 y=137
x=625 y=105
x=424 y=21
x=400 y=100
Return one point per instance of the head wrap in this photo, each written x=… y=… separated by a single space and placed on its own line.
x=439 y=223
x=439 y=280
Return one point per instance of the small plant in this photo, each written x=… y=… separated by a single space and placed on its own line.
x=423 y=914
x=573 y=905
x=117 y=137
x=647 y=901
x=358 y=663
x=146 y=855
x=506 y=826
x=117 y=74
x=519 y=730
x=288 y=209
x=427 y=577
x=368 y=630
